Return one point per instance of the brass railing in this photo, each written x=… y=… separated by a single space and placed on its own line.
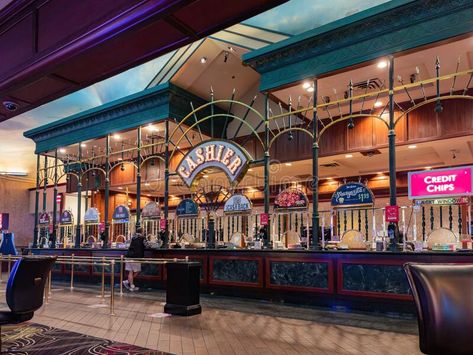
x=102 y=261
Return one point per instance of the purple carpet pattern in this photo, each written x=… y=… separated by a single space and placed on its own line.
x=37 y=339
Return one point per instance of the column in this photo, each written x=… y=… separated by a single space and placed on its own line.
x=36 y=204
x=266 y=168
x=166 y=186
x=315 y=174
x=107 y=191
x=79 y=200
x=54 y=235
x=138 y=181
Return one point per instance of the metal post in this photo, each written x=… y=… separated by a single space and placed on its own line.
x=107 y=191
x=79 y=201
x=103 y=278
x=121 y=275
x=315 y=174
x=72 y=271
x=86 y=191
x=46 y=294
x=112 y=288
x=166 y=186
x=392 y=137
x=1 y=267
x=36 y=204
x=49 y=282
x=138 y=181
x=9 y=265
x=266 y=167
x=53 y=239
x=45 y=182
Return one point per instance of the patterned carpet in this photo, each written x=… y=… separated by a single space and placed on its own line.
x=37 y=339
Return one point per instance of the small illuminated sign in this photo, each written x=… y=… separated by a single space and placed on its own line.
x=224 y=155
x=92 y=215
x=237 y=204
x=441 y=183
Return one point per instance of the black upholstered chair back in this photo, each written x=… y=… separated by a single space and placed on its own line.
x=25 y=287
x=443 y=294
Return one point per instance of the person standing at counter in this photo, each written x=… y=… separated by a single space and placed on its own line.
x=136 y=249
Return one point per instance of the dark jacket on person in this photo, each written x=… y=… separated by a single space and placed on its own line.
x=137 y=246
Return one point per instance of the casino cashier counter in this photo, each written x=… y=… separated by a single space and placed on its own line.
x=360 y=256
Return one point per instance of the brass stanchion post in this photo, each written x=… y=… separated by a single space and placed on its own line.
x=9 y=264
x=112 y=288
x=46 y=294
x=49 y=282
x=121 y=275
x=72 y=271
x=103 y=277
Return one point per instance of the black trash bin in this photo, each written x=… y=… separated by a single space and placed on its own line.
x=183 y=288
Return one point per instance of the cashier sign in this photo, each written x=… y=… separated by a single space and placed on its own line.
x=441 y=183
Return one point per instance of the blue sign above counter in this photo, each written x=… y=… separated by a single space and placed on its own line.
x=352 y=194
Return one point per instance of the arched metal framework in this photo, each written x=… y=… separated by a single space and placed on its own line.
x=313 y=120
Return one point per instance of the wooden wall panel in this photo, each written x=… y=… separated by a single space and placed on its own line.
x=423 y=123
x=121 y=177
x=456 y=117
x=360 y=136
x=334 y=140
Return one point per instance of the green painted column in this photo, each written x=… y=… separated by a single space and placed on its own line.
x=315 y=174
x=79 y=200
x=54 y=236
x=166 y=186
x=392 y=137
x=266 y=167
x=36 y=203
x=45 y=183
x=107 y=192
x=138 y=180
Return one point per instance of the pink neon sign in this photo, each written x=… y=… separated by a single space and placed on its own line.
x=441 y=183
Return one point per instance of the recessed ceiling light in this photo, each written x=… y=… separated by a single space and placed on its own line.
x=83 y=145
x=205 y=176
x=378 y=104
x=250 y=170
x=146 y=183
x=428 y=168
x=116 y=136
x=203 y=60
x=288 y=164
x=62 y=150
x=152 y=128
x=310 y=89
x=382 y=64
x=306 y=85
x=120 y=188
x=412 y=146
x=349 y=156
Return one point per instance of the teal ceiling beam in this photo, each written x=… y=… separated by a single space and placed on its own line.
x=389 y=28
x=148 y=106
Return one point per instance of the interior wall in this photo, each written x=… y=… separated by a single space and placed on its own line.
x=15 y=201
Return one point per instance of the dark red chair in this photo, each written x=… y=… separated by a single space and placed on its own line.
x=25 y=289
x=443 y=294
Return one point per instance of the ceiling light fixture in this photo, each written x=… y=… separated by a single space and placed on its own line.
x=288 y=164
x=116 y=136
x=83 y=145
x=306 y=85
x=349 y=156
x=205 y=176
x=250 y=170
x=310 y=89
x=378 y=104
x=428 y=168
x=382 y=64
x=203 y=60
x=412 y=146
x=120 y=188
x=62 y=150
